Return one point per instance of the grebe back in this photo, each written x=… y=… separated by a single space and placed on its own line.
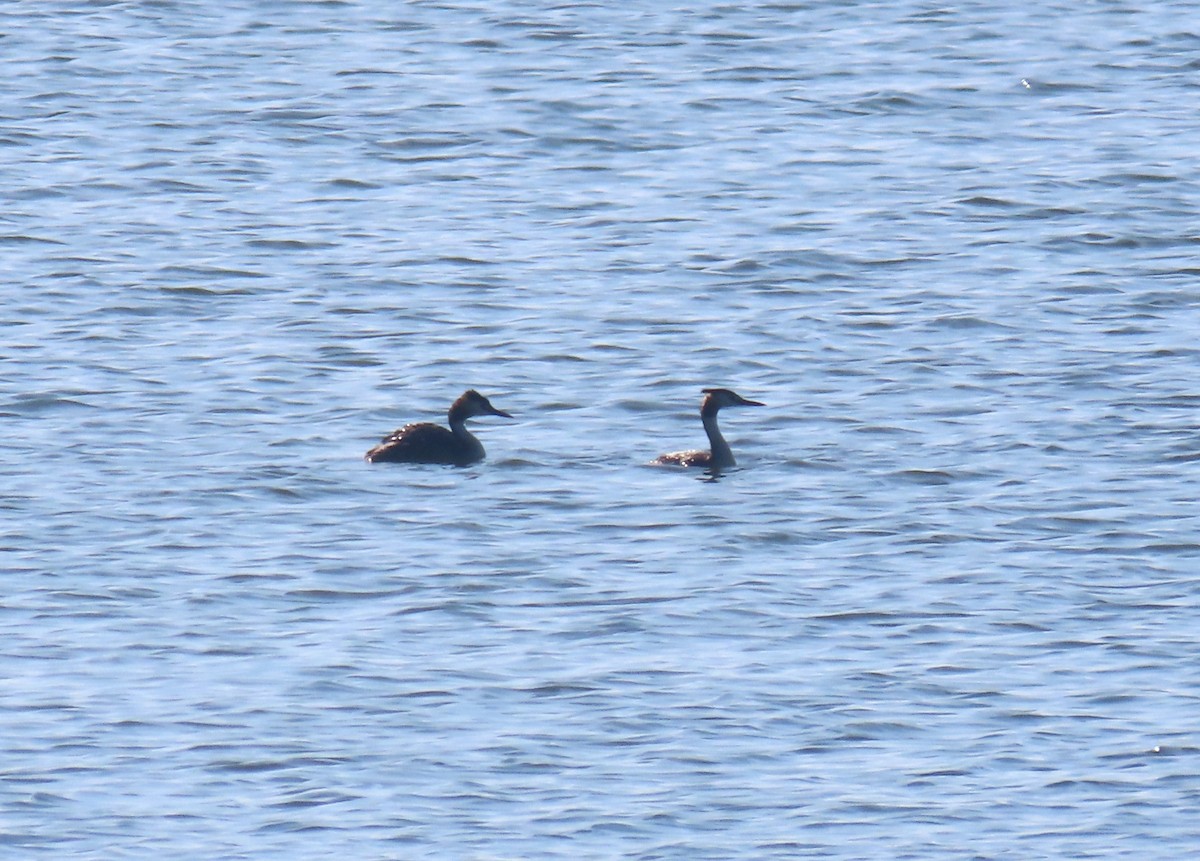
x=426 y=442
x=720 y=456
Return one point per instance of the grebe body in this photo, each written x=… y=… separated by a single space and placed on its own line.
x=426 y=442
x=719 y=456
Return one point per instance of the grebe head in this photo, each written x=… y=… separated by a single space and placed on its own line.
x=471 y=404
x=714 y=399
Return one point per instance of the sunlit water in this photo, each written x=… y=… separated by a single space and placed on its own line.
x=947 y=606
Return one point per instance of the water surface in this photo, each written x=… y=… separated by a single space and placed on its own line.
x=945 y=608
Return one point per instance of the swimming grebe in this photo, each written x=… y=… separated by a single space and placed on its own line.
x=429 y=443
x=721 y=457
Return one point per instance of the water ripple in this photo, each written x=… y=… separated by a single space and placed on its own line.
x=946 y=604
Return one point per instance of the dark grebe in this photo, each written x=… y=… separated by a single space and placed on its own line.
x=430 y=443
x=721 y=457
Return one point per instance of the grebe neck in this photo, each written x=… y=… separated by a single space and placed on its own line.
x=722 y=454
x=458 y=427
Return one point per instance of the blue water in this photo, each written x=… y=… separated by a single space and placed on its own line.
x=946 y=608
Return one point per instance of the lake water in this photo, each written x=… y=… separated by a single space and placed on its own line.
x=946 y=608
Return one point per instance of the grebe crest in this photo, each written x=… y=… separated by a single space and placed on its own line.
x=426 y=442
x=719 y=456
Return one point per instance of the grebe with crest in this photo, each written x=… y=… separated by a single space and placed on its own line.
x=720 y=456
x=426 y=442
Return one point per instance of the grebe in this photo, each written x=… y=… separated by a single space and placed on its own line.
x=721 y=457
x=429 y=443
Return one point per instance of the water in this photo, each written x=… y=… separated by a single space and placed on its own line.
x=945 y=609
